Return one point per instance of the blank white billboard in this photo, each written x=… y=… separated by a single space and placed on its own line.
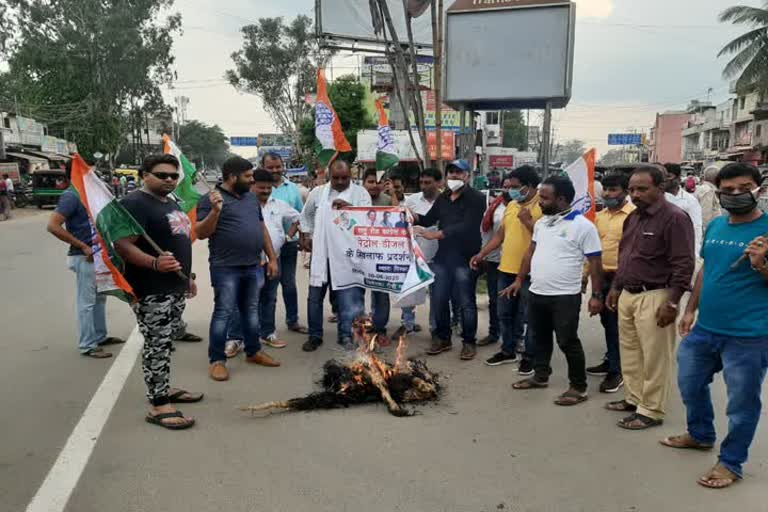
x=350 y=20
x=512 y=57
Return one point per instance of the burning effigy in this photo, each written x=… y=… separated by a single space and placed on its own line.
x=366 y=379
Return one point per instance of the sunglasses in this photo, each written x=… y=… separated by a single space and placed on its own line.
x=166 y=175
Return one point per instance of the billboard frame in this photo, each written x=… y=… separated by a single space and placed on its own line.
x=358 y=44
x=518 y=103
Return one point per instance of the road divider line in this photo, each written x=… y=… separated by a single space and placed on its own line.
x=56 y=489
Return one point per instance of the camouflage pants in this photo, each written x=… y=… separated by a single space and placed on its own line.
x=158 y=317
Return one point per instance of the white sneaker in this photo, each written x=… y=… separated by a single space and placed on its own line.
x=233 y=347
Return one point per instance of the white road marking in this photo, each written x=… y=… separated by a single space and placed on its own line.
x=54 y=493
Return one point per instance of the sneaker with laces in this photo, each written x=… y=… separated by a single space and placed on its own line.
x=439 y=346
x=468 y=352
x=500 y=358
x=488 y=340
x=599 y=370
x=612 y=383
x=272 y=341
x=233 y=347
x=526 y=368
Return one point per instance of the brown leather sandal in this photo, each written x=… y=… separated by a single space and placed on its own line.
x=531 y=383
x=685 y=442
x=719 y=477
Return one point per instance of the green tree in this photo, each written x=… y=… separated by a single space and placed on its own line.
x=750 y=50
x=84 y=66
x=203 y=144
x=347 y=95
x=612 y=157
x=279 y=63
x=513 y=129
x=569 y=151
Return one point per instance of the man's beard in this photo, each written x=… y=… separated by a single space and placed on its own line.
x=242 y=188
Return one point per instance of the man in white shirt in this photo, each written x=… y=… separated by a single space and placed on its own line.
x=683 y=200
x=339 y=193
x=707 y=197
x=562 y=239
x=420 y=204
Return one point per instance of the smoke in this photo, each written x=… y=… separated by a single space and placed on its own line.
x=594 y=8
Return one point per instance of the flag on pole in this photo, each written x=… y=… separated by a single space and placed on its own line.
x=386 y=152
x=582 y=174
x=112 y=222
x=185 y=192
x=327 y=125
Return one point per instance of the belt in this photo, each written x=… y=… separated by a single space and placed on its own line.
x=640 y=288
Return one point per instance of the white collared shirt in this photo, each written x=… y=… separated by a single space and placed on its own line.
x=355 y=195
x=277 y=214
x=690 y=205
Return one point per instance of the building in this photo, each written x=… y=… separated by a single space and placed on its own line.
x=666 y=141
x=707 y=132
x=28 y=144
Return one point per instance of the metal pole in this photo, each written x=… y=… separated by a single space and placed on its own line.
x=472 y=140
x=545 y=139
x=463 y=136
x=2 y=136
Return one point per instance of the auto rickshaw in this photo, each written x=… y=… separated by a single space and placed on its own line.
x=47 y=186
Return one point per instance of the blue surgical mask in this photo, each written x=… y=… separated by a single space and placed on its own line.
x=515 y=194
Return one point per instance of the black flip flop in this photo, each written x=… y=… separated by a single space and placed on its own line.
x=157 y=419
x=571 y=398
x=645 y=422
x=112 y=341
x=178 y=397
x=188 y=337
x=529 y=383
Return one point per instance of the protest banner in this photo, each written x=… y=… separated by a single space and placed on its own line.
x=374 y=248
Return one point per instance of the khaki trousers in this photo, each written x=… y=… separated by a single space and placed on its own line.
x=647 y=351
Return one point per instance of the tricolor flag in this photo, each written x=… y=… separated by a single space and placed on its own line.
x=327 y=125
x=112 y=223
x=185 y=192
x=582 y=174
x=386 y=152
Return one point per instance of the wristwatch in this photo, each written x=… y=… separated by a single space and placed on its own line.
x=598 y=296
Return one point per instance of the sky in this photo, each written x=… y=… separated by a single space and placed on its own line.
x=632 y=59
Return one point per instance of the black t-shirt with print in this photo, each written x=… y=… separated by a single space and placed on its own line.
x=170 y=229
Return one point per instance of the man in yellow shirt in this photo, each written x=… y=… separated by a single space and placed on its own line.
x=514 y=238
x=610 y=225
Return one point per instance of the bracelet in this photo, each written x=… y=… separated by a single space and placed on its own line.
x=598 y=296
x=762 y=267
x=154 y=264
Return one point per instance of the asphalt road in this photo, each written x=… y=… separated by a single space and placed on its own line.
x=483 y=447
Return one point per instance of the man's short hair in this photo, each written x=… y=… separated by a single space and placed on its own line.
x=368 y=173
x=527 y=175
x=153 y=161
x=653 y=170
x=563 y=187
x=674 y=169
x=738 y=169
x=5 y=175
x=271 y=155
x=261 y=175
x=433 y=172
x=235 y=166
x=396 y=176
x=710 y=173
x=615 y=179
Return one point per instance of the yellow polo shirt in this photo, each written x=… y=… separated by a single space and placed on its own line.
x=517 y=238
x=610 y=225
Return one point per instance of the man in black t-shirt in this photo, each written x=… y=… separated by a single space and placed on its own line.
x=160 y=282
x=230 y=218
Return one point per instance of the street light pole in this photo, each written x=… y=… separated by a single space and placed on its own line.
x=546 y=138
x=2 y=136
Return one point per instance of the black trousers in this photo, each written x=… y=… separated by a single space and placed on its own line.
x=558 y=314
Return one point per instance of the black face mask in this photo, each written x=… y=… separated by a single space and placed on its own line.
x=738 y=204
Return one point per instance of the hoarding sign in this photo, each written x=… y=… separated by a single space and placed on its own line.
x=286 y=152
x=501 y=161
x=448 y=148
x=244 y=141
x=367 y=141
x=275 y=139
x=625 y=139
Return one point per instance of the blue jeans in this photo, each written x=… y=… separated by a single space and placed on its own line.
x=513 y=314
x=288 y=256
x=267 y=306
x=610 y=321
x=492 y=276
x=743 y=362
x=380 y=307
x=454 y=282
x=235 y=289
x=408 y=317
x=91 y=307
x=349 y=303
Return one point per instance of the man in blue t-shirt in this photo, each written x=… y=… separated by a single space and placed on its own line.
x=70 y=223
x=731 y=332
x=230 y=218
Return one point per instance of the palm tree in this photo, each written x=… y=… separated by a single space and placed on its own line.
x=749 y=50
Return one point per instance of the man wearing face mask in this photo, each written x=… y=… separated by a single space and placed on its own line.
x=656 y=262
x=458 y=212
x=514 y=238
x=731 y=332
x=610 y=226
